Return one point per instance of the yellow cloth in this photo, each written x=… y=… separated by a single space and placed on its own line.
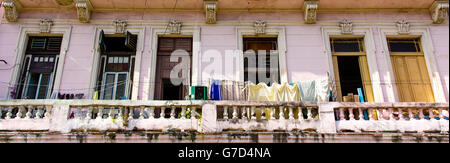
x=276 y=92
x=95 y=97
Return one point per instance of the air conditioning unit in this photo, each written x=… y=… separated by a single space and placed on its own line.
x=198 y=93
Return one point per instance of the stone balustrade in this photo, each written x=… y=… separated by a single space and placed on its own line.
x=66 y=116
x=263 y=116
x=399 y=117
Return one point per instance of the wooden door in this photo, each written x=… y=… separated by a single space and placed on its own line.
x=166 y=46
x=411 y=78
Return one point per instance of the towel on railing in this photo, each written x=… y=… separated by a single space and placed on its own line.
x=215 y=90
x=314 y=90
x=276 y=92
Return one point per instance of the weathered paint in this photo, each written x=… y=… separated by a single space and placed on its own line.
x=305 y=55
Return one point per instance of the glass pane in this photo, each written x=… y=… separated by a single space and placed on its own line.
x=109 y=86
x=32 y=86
x=121 y=85
x=404 y=45
x=43 y=86
x=346 y=45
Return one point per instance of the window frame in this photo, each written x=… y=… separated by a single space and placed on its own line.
x=27 y=31
x=428 y=52
x=279 y=32
x=369 y=47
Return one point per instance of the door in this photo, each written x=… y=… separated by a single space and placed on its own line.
x=164 y=88
x=410 y=70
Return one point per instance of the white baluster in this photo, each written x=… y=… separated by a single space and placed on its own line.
x=410 y=113
x=281 y=114
x=351 y=115
x=162 y=114
x=89 y=113
x=272 y=112
x=235 y=114
x=193 y=113
x=300 y=114
x=291 y=114
x=310 y=113
x=225 y=112
x=9 y=114
x=370 y=110
x=421 y=115
x=263 y=113
x=131 y=113
x=39 y=112
x=19 y=114
x=441 y=117
x=141 y=112
x=253 y=112
x=151 y=114
x=400 y=114
x=48 y=108
x=120 y=113
x=341 y=114
x=29 y=112
x=183 y=112
x=172 y=112
x=244 y=112
x=100 y=112
x=431 y=114
x=111 y=113
x=361 y=114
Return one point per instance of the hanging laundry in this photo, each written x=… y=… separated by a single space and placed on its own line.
x=215 y=90
x=276 y=92
x=314 y=90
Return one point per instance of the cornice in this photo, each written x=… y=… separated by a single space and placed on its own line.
x=233 y=22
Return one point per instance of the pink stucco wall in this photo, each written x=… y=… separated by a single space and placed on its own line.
x=305 y=57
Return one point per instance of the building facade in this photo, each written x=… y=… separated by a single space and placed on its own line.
x=393 y=51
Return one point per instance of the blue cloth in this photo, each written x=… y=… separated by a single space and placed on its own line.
x=366 y=116
x=215 y=90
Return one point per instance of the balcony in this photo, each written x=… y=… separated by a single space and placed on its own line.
x=222 y=117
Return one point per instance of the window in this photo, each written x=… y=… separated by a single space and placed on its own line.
x=116 y=66
x=351 y=68
x=410 y=70
x=253 y=66
x=164 y=88
x=38 y=71
x=115 y=86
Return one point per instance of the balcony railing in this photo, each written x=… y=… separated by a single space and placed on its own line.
x=217 y=116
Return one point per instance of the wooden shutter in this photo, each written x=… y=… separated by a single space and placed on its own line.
x=131 y=41
x=101 y=41
x=411 y=78
x=336 y=78
x=365 y=76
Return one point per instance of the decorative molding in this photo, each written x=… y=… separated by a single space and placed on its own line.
x=109 y=30
x=156 y=33
x=370 y=48
x=83 y=10
x=120 y=26
x=346 y=27
x=403 y=27
x=175 y=27
x=46 y=25
x=430 y=60
x=64 y=2
x=439 y=11
x=280 y=32
x=310 y=8
x=21 y=45
x=211 y=11
x=11 y=10
x=260 y=26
